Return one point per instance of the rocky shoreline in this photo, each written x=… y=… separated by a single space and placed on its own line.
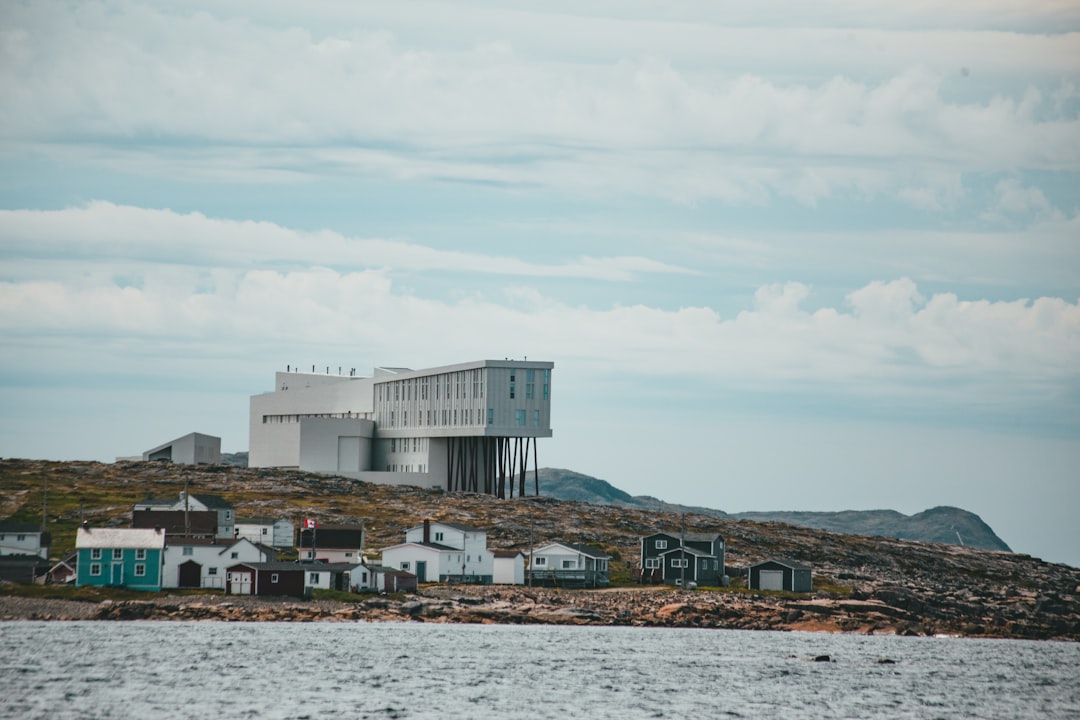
x=640 y=607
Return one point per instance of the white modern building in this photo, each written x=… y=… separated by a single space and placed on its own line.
x=471 y=427
x=191 y=449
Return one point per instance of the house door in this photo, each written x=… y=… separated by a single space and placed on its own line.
x=421 y=571
x=117 y=574
x=771 y=580
x=240 y=583
x=190 y=574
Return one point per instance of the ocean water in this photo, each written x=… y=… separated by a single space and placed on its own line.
x=389 y=670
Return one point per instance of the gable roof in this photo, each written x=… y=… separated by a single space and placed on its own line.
x=579 y=549
x=214 y=502
x=138 y=538
x=687 y=550
x=786 y=562
x=19 y=527
x=453 y=526
x=506 y=553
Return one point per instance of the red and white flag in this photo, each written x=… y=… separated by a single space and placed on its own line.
x=309 y=523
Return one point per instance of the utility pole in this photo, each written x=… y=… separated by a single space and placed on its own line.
x=682 y=551
x=45 y=505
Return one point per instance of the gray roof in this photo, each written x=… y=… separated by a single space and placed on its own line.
x=688 y=551
x=786 y=562
x=456 y=526
x=19 y=527
x=213 y=501
x=582 y=549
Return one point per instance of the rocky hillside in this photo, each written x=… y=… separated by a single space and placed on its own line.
x=862 y=583
x=948 y=525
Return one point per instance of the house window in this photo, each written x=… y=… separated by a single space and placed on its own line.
x=677 y=563
x=189 y=551
x=511 y=389
x=348 y=554
x=567 y=564
x=20 y=538
x=536 y=418
x=313 y=578
x=140 y=554
x=140 y=569
x=491 y=416
x=704 y=564
x=95 y=568
x=438 y=537
x=264 y=531
x=529 y=391
x=661 y=544
x=95 y=554
x=539 y=561
x=234 y=555
x=212 y=571
x=652 y=563
x=118 y=554
x=405 y=565
x=274 y=577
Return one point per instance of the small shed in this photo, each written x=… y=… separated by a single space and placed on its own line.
x=509 y=567
x=781 y=574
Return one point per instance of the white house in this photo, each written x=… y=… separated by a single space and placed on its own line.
x=509 y=567
x=24 y=539
x=439 y=551
x=202 y=563
x=191 y=449
x=265 y=531
x=332 y=544
x=562 y=564
x=471 y=426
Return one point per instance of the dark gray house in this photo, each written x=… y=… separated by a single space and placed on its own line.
x=781 y=574
x=668 y=558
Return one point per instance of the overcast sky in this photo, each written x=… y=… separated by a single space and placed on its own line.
x=784 y=256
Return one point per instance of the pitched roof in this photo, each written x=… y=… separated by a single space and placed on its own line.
x=506 y=553
x=688 y=551
x=786 y=562
x=19 y=527
x=119 y=538
x=580 y=549
x=455 y=526
x=215 y=502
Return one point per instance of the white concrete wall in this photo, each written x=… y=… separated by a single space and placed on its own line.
x=321 y=441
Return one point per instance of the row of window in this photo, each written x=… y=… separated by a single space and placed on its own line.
x=654 y=563
x=117 y=554
x=409 y=445
x=140 y=569
x=451 y=385
x=297 y=417
x=567 y=564
x=394 y=467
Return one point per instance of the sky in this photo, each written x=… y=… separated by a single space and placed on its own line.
x=783 y=256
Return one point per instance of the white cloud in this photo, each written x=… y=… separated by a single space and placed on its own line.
x=686 y=111
x=102 y=231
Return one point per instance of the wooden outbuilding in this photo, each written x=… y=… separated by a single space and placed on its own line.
x=781 y=574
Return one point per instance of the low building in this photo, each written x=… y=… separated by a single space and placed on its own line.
x=21 y=538
x=333 y=543
x=781 y=574
x=443 y=552
x=266 y=531
x=508 y=567
x=201 y=562
x=191 y=449
x=566 y=565
x=388 y=579
x=23 y=568
x=287 y=578
x=669 y=558
x=119 y=557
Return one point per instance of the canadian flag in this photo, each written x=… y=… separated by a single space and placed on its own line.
x=309 y=523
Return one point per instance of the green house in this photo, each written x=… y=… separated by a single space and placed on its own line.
x=120 y=557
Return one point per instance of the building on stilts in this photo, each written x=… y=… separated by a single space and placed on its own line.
x=469 y=427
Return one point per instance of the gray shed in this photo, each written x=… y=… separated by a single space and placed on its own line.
x=781 y=574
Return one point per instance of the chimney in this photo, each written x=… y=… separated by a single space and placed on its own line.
x=427 y=530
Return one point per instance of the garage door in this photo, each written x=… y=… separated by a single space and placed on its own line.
x=771 y=579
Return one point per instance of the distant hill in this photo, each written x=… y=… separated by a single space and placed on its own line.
x=948 y=525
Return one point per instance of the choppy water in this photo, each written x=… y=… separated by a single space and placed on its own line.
x=361 y=670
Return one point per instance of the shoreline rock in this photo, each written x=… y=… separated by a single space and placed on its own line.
x=637 y=607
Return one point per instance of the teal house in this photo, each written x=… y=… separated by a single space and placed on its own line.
x=120 y=557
